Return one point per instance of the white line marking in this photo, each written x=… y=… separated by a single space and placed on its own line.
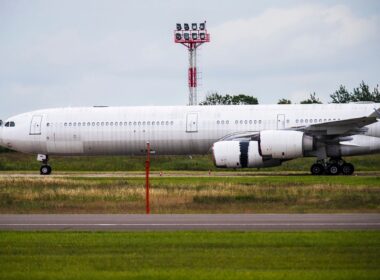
x=203 y=224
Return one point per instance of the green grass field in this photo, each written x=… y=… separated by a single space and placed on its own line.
x=220 y=194
x=11 y=161
x=190 y=255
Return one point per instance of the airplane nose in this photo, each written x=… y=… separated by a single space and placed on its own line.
x=1 y=136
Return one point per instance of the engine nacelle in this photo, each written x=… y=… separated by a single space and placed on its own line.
x=272 y=147
x=284 y=144
x=357 y=145
x=240 y=154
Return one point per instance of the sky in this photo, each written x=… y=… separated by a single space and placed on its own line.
x=121 y=53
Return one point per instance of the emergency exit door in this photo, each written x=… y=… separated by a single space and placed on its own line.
x=35 y=125
x=192 y=122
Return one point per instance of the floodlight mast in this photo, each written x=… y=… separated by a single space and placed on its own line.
x=192 y=36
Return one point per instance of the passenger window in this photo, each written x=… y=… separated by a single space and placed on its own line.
x=167 y=122
x=171 y=122
x=301 y=120
x=93 y=123
x=47 y=124
x=102 y=123
x=222 y=122
x=75 y=124
x=7 y=124
x=296 y=120
x=255 y=121
x=98 y=123
x=217 y=122
x=111 y=123
x=88 y=124
x=227 y=122
x=153 y=123
x=134 y=123
x=306 y=120
x=246 y=122
x=162 y=122
x=236 y=122
x=79 y=124
x=143 y=123
x=83 y=124
x=250 y=121
x=120 y=123
x=116 y=123
x=259 y=121
x=70 y=124
x=125 y=123
x=64 y=124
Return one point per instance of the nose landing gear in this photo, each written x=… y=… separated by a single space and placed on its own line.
x=45 y=168
x=334 y=166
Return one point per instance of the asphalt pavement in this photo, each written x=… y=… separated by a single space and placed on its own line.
x=142 y=222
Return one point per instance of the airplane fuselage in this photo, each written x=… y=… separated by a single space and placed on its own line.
x=170 y=130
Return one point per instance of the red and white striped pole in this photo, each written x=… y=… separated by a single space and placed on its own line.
x=147 y=169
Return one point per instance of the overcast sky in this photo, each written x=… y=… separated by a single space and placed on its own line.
x=121 y=53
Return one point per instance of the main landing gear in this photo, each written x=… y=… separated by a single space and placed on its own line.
x=45 y=168
x=334 y=166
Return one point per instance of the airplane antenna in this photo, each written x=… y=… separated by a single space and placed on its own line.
x=192 y=36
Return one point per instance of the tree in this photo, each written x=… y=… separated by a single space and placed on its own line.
x=312 y=100
x=218 y=99
x=341 y=95
x=361 y=93
x=284 y=101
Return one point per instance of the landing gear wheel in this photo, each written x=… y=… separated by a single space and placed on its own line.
x=333 y=169
x=317 y=169
x=347 y=169
x=45 y=170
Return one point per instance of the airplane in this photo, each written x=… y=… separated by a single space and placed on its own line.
x=239 y=136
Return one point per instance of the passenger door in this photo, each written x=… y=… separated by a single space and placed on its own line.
x=35 y=125
x=192 y=122
x=281 y=121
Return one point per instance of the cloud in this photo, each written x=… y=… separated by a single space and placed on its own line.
x=283 y=37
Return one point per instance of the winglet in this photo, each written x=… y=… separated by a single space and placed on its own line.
x=377 y=112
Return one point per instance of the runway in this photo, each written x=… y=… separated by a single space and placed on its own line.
x=241 y=222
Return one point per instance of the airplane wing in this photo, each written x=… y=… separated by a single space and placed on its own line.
x=339 y=128
x=326 y=130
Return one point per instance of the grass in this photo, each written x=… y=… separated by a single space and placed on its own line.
x=190 y=255
x=244 y=194
x=12 y=161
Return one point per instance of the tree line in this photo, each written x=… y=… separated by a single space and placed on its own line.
x=361 y=93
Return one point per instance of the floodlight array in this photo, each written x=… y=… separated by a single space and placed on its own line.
x=191 y=33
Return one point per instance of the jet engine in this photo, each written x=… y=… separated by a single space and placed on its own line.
x=284 y=144
x=270 y=149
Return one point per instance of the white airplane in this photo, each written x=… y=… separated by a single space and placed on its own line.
x=239 y=136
